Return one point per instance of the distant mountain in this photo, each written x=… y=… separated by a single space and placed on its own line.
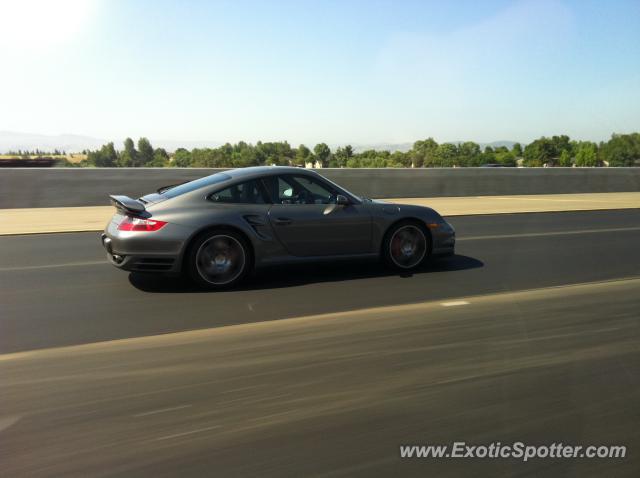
x=171 y=145
x=359 y=148
x=71 y=143
x=497 y=144
x=493 y=144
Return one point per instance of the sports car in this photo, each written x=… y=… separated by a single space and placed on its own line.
x=219 y=228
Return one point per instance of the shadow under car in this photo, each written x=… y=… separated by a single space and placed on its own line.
x=302 y=274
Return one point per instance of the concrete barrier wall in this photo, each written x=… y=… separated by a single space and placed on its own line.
x=60 y=187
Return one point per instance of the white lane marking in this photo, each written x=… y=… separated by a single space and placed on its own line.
x=6 y=422
x=162 y=410
x=454 y=303
x=52 y=266
x=555 y=233
x=191 y=432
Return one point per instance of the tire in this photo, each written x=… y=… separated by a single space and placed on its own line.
x=406 y=246
x=219 y=259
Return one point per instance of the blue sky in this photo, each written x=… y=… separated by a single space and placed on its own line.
x=364 y=72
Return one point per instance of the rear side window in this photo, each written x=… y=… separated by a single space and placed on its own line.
x=248 y=192
x=197 y=184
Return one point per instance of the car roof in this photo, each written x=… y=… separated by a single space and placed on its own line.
x=259 y=171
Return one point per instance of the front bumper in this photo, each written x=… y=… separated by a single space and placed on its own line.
x=444 y=239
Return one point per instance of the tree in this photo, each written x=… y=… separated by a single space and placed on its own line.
x=517 y=150
x=539 y=152
x=423 y=153
x=586 y=154
x=547 y=151
x=399 y=159
x=278 y=153
x=468 y=154
x=160 y=158
x=343 y=155
x=105 y=157
x=505 y=157
x=145 y=152
x=129 y=157
x=445 y=155
x=323 y=153
x=565 y=158
x=303 y=155
x=181 y=158
x=488 y=156
x=621 y=150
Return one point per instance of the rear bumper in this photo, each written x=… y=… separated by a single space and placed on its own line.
x=142 y=251
x=166 y=263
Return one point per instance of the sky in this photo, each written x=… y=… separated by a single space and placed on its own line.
x=338 y=71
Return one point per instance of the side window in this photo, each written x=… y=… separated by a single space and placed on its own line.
x=317 y=192
x=243 y=193
x=299 y=190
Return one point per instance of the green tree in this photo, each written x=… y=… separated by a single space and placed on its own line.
x=343 y=155
x=181 y=158
x=621 y=150
x=517 y=150
x=145 y=152
x=129 y=157
x=505 y=157
x=423 y=153
x=322 y=153
x=399 y=159
x=468 y=154
x=445 y=155
x=160 y=158
x=539 y=152
x=303 y=155
x=586 y=154
x=565 y=158
x=105 y=157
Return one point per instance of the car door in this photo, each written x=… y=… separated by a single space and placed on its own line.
x=308 y=221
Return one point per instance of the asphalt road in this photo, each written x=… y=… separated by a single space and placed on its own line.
x=57 y=289
x=489 y=346
x=336 y=395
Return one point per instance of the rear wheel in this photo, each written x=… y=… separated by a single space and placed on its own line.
x=406 y=246
x=219 y=259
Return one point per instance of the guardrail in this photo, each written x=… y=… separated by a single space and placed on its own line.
x=62 y=187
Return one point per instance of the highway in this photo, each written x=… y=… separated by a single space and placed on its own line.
x=531 y=333
x=58 y=289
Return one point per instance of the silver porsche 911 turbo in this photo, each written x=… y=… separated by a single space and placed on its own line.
x=218 y=228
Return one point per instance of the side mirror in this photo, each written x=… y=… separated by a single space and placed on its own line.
x=342 y=200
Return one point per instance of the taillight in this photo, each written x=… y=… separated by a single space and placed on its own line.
x=131 y=223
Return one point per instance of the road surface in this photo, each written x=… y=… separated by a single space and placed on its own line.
x=531 y=334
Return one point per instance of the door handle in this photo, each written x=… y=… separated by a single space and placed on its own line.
x=282 y=221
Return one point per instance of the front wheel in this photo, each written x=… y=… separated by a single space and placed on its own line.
x=219 y=259
x=406 y=246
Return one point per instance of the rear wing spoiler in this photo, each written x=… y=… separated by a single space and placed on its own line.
x=125 y=203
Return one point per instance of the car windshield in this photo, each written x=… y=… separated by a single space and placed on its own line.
x=196 y=184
